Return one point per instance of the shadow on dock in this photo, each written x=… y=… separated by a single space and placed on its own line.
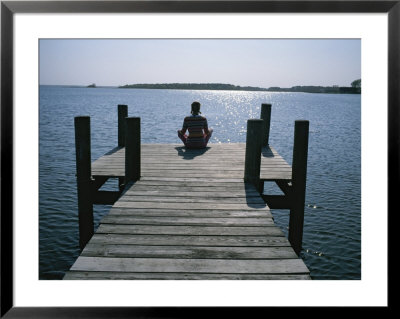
x=253 y=199
x=189 y=154
x=114 y=150
x=267 y=152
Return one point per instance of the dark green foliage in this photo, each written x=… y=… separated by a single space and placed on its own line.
x=356 y=83
x=230 y=87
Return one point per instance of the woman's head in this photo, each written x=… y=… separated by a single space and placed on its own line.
x=195 y=108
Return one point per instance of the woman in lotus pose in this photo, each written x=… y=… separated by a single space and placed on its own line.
x=199 y=134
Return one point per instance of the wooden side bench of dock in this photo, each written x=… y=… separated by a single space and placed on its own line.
x=191 y=215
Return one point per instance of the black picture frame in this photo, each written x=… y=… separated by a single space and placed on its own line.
x=9 y=8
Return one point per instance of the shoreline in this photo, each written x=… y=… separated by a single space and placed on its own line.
x=187 y=89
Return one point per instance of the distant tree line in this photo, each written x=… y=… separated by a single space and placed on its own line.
x=193 y=86
x=318 y=89
x=355 y=87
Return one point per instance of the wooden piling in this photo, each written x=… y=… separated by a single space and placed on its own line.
x=299 y=174
x=122 y=114
x=132 y=149
x=266 y=116
x=253 y=151
x=83 y=177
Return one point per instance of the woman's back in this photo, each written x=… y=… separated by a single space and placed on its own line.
x=195 y=124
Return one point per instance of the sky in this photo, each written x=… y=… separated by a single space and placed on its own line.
x=245 y=62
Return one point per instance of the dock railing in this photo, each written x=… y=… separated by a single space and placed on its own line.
x=257 y=138
x=88 y=187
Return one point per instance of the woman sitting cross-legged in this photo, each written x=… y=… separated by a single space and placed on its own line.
x=197 y=125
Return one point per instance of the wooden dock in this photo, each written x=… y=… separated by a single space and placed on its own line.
x=190 y=216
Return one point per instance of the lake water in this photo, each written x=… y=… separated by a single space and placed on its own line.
x=332 y=225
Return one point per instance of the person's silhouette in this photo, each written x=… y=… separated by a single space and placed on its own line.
x=199 y=133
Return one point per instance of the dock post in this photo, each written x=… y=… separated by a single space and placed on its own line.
x=299 y=175
x=132 y=149
x=83 y=177
x=122 y=114
x=266 y=116
x=253 y=151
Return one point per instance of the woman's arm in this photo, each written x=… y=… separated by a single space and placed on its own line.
x=206 y=127
x=184 y=126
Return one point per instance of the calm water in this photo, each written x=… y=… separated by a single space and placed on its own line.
x=332 y=229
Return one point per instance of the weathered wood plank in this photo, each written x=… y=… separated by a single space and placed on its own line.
x=199 y=171
x=281 y=176
x=131 y=220
x=192 y=193
x=194 y=167
x=178 y=174
x=237 y=156
x=191 y=240
x=193 y=206
x=220 y=173
x=284 y=176
x=86 y=275
x=190 y=230
x=269 y=266
x=186 y=164
x=202 y=187
x=185 y=212
x=198 y=252
x=195 y=200
x=203 y=179
x=175 y=146
x=233 y=184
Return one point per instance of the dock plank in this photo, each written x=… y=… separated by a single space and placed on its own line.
x=220 y=266
x=191 y=240
x=193 y=200
x=87 y=275
x=178 y=252
x=193 y=205
x=185 y=212
x=190 y=230
x=131 y=220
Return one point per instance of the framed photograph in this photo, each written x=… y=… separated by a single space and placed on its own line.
x=41 y=42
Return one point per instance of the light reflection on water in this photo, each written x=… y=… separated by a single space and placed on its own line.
x=332 y=230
